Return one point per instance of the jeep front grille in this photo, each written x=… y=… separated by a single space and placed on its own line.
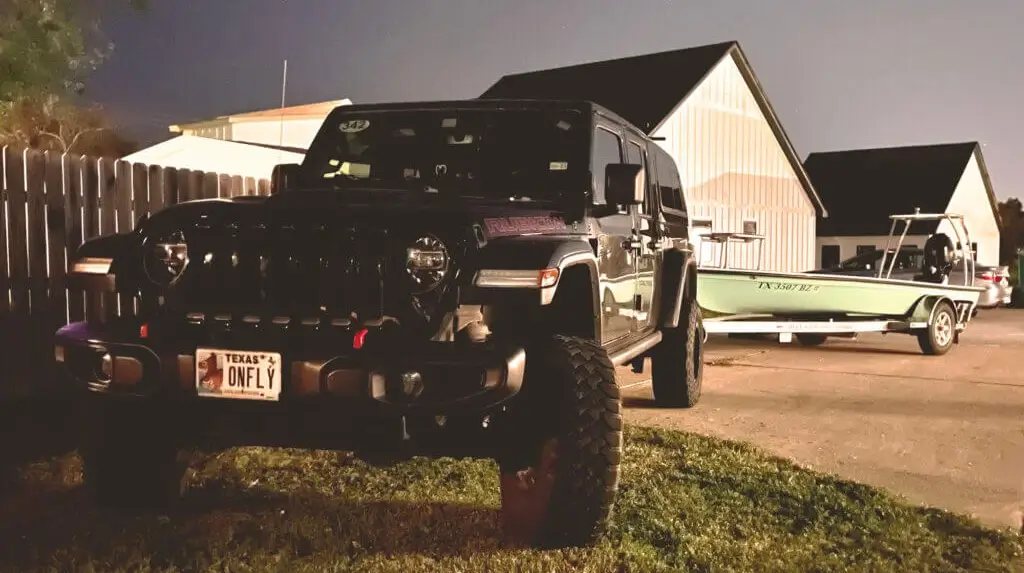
x=290 y=273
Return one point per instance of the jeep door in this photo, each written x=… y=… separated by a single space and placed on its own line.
x=644 y=245
x=615 y=261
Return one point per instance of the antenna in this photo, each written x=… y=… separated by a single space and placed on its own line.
x=284 y=88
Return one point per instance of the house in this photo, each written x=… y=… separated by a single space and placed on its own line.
x=706 y=108
x=249 y=144
x=863 y=187
x=290 y=127
x=215 y=155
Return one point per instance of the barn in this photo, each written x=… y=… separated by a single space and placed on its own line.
x=863 y=187
x=706 y=108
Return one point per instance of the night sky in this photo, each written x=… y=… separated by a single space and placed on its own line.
x=841 y=74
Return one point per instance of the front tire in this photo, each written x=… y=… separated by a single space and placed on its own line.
x=560 y=463
x=677 y=362
x=129 y=461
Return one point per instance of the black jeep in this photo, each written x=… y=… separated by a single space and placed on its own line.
x=441 y=278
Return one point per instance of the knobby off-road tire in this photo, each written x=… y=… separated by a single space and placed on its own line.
x=677 y=362
x=940 y=335
x=561 y=463
x=129 y=461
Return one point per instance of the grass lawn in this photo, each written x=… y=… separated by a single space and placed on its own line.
x=687 y=503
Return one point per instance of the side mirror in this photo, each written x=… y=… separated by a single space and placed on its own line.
x=624 y=184
x=283 y=177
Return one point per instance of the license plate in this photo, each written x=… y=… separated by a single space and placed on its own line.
x=240 y=374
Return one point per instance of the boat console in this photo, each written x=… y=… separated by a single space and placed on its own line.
x=939 y=256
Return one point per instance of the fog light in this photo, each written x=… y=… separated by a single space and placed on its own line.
x=106 y=369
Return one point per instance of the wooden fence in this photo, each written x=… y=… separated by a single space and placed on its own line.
x=49 y=204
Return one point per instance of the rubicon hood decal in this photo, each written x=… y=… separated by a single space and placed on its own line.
x=506 y=226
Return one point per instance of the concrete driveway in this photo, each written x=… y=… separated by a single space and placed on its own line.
x=944 y=431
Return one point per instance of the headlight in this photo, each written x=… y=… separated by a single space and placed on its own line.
x=427 y=263
x=166 y=257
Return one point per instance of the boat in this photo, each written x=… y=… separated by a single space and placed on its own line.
x=751 y=300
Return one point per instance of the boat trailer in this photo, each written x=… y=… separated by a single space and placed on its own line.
x=814 y=331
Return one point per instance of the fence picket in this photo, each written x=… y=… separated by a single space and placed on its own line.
x=211 y=185
x=140 y=192
x=74 y=223
x=157 y=189
x=56 y=238
x=35 y=219
x=5 y=286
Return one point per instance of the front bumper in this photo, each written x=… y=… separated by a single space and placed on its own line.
x=452 y=378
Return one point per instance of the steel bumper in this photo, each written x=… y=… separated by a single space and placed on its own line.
x=451 y=378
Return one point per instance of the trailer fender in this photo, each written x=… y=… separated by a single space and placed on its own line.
x=924 y=310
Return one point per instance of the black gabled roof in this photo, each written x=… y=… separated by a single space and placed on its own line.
x=646 y=89
x=863 y=187
x=624 y=84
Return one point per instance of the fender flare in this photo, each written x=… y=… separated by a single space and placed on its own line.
x=675 y=280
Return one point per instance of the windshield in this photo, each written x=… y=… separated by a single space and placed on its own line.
x=491 y=154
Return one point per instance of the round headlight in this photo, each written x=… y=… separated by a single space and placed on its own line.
x=426 y=262
x=166 y=257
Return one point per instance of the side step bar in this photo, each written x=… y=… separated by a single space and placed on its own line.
x=620 y=357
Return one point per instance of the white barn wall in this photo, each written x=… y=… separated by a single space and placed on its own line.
x=220 y=130
x=848 y=244
x=733 y=169
x=297 y=133
x=970 y=199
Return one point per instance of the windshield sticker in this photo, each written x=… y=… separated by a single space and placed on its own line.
x=558 y=166
x=563 y=125
x=449 y=122
x=355 y=170
x=354 y=125
x=505 y=226
x=463 y=140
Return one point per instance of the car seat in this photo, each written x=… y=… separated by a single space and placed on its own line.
x=938 y=258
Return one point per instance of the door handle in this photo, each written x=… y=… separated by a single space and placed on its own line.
x=632 y=244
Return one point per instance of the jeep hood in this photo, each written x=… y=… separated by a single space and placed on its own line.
x=312 y=207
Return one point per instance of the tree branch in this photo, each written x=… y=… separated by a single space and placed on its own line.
x=80 y=134
x=63 y=143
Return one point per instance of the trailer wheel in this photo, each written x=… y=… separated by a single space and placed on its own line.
x=940 y=335
x=811 y=339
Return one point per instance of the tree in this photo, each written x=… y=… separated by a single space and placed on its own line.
x=1011 y=212
x=57 y=126
x=47 y=50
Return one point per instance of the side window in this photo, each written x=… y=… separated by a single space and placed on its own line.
x=671 y=189
x=607 y=149
x=635 y=153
